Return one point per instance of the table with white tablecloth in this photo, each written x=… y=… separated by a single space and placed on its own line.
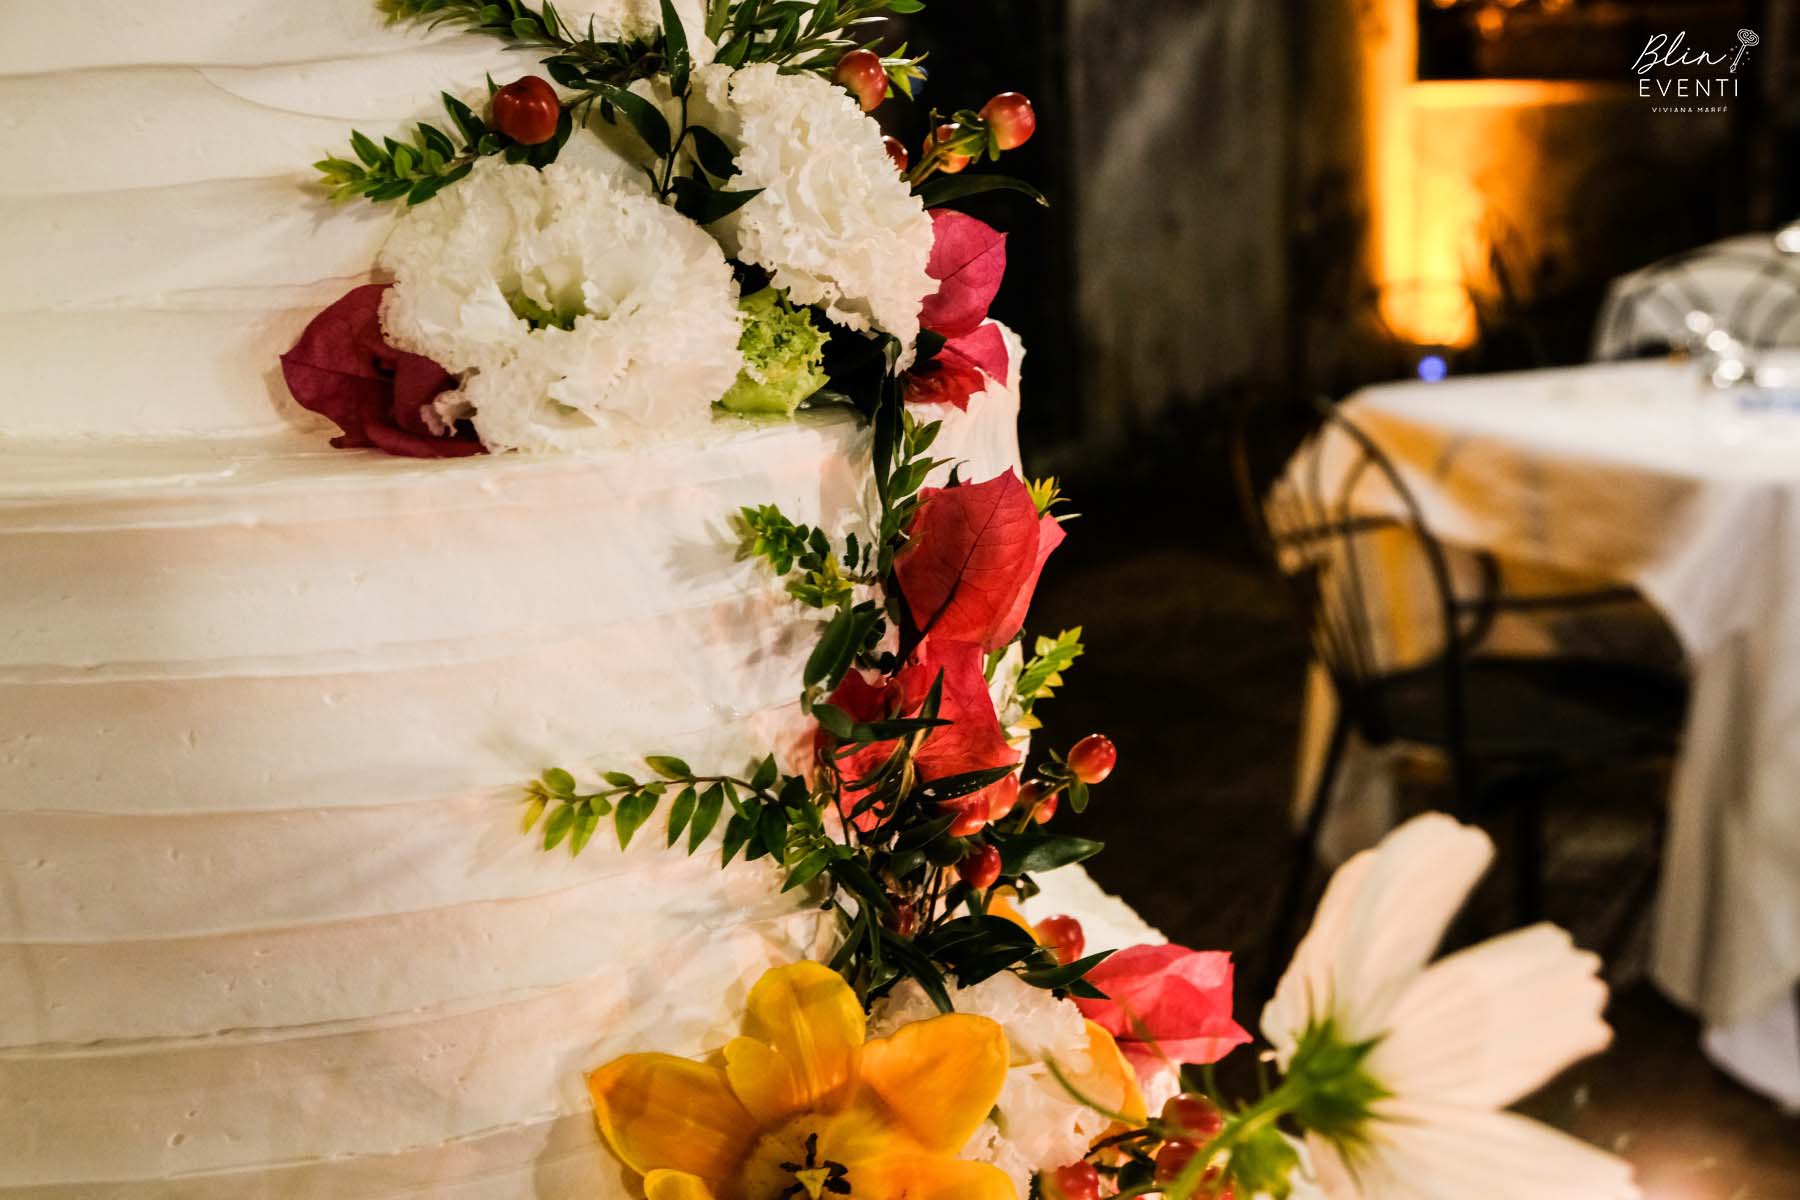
x=1636 y=472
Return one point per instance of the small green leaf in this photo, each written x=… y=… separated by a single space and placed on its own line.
x=737 y=833
x=679 y=813
x=559 y=781
x=533 y=810
x=631 y=813
x=366 y=150
x=714 y=155
x=807 y=869
x=675 y=48
x=1032 y=851
x=766 y=772
x=557 y=828
x=771 y=829
x=1064 y=975
x=942 y=189
x=952 y=787
x=643 y=116
x=703 y=205
x=669 y=767
x=585 y=822
x=837 y=646
x=706 y=815
x=619 y=779
x=835 y=720
x=920 y=968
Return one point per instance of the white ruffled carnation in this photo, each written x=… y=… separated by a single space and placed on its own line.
x=627 y=20
x=1037 y=1125
x=835 y=224
x=634 y=321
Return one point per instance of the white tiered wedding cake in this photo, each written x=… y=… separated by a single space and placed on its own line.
x=267 y=926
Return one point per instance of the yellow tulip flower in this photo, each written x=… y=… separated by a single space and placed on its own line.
x=805 y=1109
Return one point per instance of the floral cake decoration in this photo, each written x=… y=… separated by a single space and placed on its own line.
x=693 y=211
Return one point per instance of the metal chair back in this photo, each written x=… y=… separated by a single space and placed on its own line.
x=1323 y=522
x=1752 y=295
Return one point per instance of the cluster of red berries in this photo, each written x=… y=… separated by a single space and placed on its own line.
x=1009 y=115
x=1192 y=1121
x=1091 y=761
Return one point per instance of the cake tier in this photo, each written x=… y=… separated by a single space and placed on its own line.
x=161 y=240
x=267 y=924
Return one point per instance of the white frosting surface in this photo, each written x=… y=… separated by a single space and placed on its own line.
x=267 y=926
x=166 y=241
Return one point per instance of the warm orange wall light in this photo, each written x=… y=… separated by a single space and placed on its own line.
x=1449 y=161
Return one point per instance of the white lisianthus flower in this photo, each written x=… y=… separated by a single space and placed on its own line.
x=637 y=20
x=1405 y=1066
x=835 y=224
x=1037 y=1125
x=578 y=309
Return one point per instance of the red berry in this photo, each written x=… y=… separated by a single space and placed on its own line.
x=949 y=164
x=527 y=110
x=1193 y=1118
x=1012 y=119
x=981 y=869
x=969 y=822
x=897 y=151
x=1031 y=794
x=1173 y=1159
x=1046 y=808
x=1063 y=936
x=861 y=71
x=1093 y=758
x=1077 y=1181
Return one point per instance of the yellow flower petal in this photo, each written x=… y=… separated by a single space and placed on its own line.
x=1110 y=1079
x=936 y=1080
x=929 y=1177
x=810 y=1027
x=1001 y=904
x=659 y=1112
x=675 y=1185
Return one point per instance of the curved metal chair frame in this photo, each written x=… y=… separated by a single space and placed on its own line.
x=1770 y=302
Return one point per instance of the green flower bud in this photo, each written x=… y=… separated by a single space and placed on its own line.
x=783 y=353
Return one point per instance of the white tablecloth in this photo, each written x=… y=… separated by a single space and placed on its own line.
x=1633 y=472
x=1730 y=280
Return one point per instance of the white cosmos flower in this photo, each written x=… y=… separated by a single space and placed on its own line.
x=1452 y=1043
x=835 y=224
x=578 y=309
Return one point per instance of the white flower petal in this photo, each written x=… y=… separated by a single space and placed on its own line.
x=1489 y=1024
x=834 y=224
x=649 y=299
x=1305 y=991
x=1423 y=872
x=1433 y=1152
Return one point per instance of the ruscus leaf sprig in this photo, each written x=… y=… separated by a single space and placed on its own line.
x=434 y=159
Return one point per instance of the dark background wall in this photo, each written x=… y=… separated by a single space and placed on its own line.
x=1215 y=213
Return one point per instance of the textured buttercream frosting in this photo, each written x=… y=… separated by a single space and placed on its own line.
x=267 y=925
x=161 y=236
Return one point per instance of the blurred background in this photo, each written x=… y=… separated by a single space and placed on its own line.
x=1256 y=205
